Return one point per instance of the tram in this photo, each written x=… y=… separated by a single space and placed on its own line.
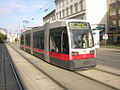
x=66 y=43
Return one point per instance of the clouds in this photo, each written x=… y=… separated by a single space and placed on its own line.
x=12 y=10
x=27 y=8
x=6 y=8
x=4 y=11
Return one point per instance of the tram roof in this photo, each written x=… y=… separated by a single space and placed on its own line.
x=55 y=24
x=61 y=23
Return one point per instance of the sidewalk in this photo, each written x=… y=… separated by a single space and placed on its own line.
x=110 y=47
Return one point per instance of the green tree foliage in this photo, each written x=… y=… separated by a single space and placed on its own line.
x=2 y=37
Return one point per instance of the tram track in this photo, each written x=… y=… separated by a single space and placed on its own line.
x=59 y=84
x=97 y=81
x=107 y=72
x=98 y=68
x=96 y=78
x=76 y=72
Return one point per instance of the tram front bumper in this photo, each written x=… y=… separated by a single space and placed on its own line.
x=83 y=63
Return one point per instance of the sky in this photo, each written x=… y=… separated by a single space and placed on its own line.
x=14 y=12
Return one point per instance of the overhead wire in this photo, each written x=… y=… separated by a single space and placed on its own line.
x=13 y=10
x=47 y=4
x=31 y=17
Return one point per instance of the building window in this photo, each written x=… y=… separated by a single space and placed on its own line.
x=83 y=4
x=76 y=7
x=60 y=14
x=114 y=23
x=67 y=11
x=59 y=4
x=63 y=13
x=53 y=17
x=112 y=12
x=66 y=1
x=62 y=2
x=71 y=9
x=80 y=6
x=56 y=15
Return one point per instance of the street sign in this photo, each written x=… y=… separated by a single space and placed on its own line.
x=105 y=36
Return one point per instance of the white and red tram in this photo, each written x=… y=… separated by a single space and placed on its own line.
x=65 y=43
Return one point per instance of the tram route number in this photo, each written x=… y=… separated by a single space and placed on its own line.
x=78 y=25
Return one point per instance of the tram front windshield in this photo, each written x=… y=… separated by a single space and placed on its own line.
x=81 y=35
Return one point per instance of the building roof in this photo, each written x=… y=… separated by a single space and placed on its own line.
x=52 y=12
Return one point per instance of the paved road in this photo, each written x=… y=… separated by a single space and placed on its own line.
x=7 y=79
x=109 y=57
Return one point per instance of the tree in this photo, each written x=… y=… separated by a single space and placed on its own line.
x=2 y=37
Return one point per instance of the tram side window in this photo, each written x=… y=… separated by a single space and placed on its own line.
x=39 y=39
x=42 y=40
x=27 y=39
x=22 y=40
x=59 y=40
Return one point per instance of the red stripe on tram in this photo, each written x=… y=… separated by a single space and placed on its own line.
x=38 y=50
x=59 y=56
x=83 y=56
x=28 y=47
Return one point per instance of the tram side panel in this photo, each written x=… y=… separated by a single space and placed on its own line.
x=22 y=42
x=59 y=47
x=28 y=42
x=38 y=44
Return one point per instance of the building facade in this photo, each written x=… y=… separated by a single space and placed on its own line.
x=102 y=15
x=50 y=17
x=114 y=21
x=95 y=12
x=67 y=9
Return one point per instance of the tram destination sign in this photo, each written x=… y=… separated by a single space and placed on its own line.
x=78 y=25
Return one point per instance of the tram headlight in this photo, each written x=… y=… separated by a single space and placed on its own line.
x=75 y=53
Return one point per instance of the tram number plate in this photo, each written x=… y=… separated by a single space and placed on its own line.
x=86 y=62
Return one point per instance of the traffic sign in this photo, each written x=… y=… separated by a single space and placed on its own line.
x=105 y=36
